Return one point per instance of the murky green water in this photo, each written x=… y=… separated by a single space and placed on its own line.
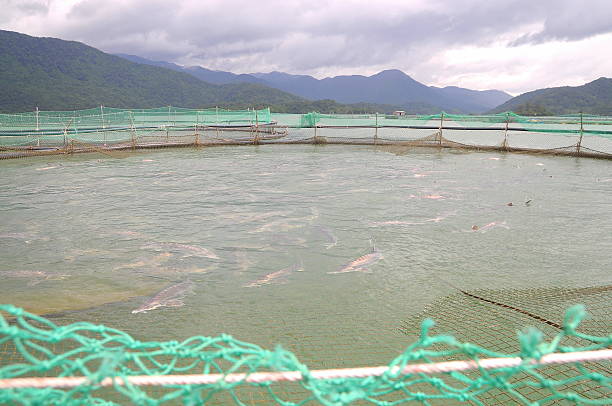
x=89 y=239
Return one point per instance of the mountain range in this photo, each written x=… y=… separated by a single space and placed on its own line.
x=594 y=97
x=53 y=74
x=387 y=87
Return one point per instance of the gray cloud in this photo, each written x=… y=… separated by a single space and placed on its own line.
x=572 y=21
x=14 y=9
x=314 y=37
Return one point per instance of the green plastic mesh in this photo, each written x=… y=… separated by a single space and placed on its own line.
x=32 y=346
x=570 y=124
x=107 y=118
x=107 y=129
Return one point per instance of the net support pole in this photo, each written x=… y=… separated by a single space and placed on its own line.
x=133 y=128
x=506 y=132
x=103 y=123
x=37 y=128
x=217 y=120
x=197 y=135
x=376 y=130
x=256 y=138
x=581 y=133
x=440 y=130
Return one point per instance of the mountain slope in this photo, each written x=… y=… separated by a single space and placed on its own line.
x=207 y=75
x=389 y=86
x=386 y=87
x=54 y=74
x=594 y=97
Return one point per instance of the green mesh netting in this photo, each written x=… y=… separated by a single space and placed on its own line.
x=104 y=128
x=32 y=346
x=574 y=124
x=48 y=123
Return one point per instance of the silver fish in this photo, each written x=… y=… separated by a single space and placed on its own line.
x=360 y=264
x=35 y=277
x=16 y=236
x=154 y=262
x=286 y=224
x=277 y=276
x=332 y=240
x=186 y=250
x=170 y=297
x=490 y=226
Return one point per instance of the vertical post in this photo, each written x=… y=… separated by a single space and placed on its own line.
x=440 y=131
x=133 y=129
x=580 y=139
x=197 y=135
x=506 y=131
x=376 y=130
x=37 y=127
x=103 y=123
x=256 y=139
x=217 y=120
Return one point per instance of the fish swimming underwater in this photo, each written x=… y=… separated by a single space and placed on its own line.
x=360 y=264
x=170 y=297
x=277 y=276
x=489 y=226
x=154 y=262
x=184 y=249
x=332 y=240
x=35 y=277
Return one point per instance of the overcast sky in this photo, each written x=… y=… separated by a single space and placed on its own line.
x=511 y=45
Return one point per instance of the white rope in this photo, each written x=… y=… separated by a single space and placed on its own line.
x=258 y=377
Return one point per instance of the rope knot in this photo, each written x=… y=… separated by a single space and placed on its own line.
x=10 y=331
x=469 y=349
x=420 y=396
x=15 y=311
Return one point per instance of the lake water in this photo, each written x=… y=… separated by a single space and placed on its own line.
x=90 y=239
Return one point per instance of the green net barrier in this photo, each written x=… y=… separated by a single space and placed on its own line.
x=569 y=124
x=43 y=123
x=33 y=346
x=105 y=128
x=108 y=118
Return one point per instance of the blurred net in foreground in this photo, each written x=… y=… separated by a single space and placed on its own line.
x=110 y=362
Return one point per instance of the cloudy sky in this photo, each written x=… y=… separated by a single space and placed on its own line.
x=511 y=45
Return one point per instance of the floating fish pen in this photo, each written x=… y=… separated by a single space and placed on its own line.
x=107 y=130
x=393 y=268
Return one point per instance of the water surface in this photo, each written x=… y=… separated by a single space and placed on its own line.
x=86 y=238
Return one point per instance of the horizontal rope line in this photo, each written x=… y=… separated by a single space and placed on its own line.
x=259 y=377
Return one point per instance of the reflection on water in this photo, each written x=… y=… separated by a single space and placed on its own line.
x=270 y=244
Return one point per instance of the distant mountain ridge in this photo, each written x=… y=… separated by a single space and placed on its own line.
x=53 y=74
x=594 y=98
x=387 y=87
